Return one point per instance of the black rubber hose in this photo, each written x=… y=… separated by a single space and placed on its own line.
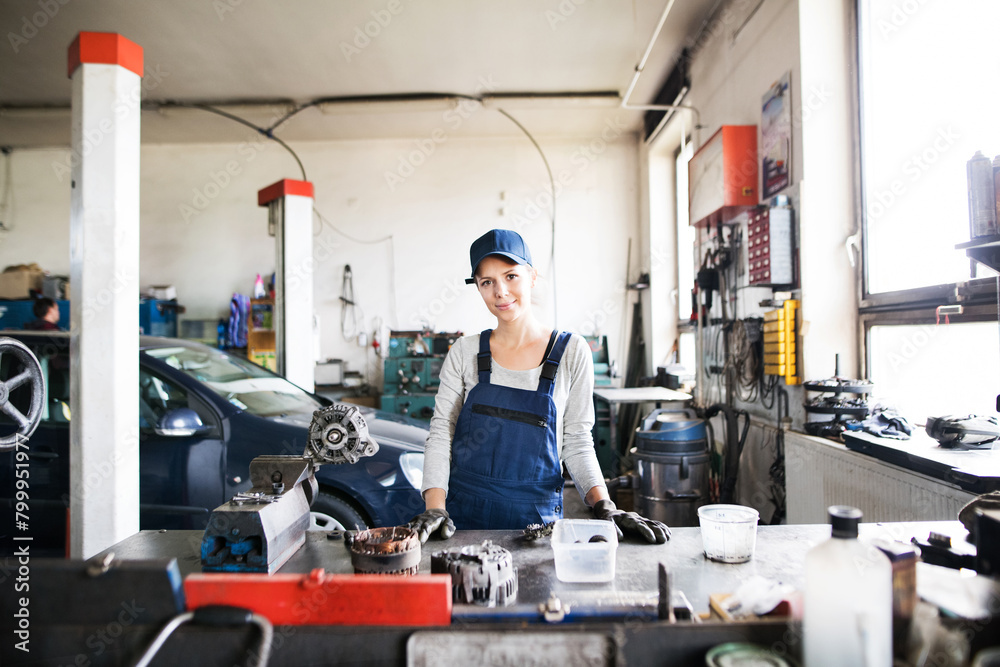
x=733 y=447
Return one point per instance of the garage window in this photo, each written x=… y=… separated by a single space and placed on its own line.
x=927 y=104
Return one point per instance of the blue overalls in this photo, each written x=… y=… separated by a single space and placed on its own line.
x=505 y=468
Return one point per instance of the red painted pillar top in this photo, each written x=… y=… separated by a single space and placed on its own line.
x=106 y=48
x=282 y=188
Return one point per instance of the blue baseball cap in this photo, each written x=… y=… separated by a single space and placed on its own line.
x=503 y=242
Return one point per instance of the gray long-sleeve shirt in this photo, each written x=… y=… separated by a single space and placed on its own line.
x=572 y=394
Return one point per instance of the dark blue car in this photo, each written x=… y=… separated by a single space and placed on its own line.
x=244 y=410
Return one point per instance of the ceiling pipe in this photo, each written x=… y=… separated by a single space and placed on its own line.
x=649 y=49
x=642 y=64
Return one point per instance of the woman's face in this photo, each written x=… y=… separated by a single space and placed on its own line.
x=505 y=287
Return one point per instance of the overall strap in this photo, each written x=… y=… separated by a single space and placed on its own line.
x=484 y=359
x=551 y=363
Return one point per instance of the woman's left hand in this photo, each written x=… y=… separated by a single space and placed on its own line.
x=430 y=521
x=654 y=532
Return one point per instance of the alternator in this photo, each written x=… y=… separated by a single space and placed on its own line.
x=339 y=434
x=483 y=575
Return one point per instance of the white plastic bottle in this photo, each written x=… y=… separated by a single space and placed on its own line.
x=848 y=599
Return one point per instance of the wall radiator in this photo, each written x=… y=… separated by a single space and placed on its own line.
x=820 y=473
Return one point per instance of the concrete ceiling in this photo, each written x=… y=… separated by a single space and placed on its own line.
x=259 y=60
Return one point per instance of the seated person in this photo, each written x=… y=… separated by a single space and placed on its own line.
x=46 y=316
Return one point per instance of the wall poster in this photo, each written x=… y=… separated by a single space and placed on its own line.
x=776 y=137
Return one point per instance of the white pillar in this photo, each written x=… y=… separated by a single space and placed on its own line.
x=290 y=205
x=106 y=70
x=827 y=196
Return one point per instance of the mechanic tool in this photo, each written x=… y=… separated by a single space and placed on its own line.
x=483 y=575
x=965 y=431
x=392 y=550
x=938 y=548
x=259 y=530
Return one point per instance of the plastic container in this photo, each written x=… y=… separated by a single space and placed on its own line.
x=848 y=598
x=578 y=560
x=728 y=532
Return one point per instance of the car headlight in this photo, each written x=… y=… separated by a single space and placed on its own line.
x=412 y=465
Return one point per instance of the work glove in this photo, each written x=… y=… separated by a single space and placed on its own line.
x=652 y=531
x=432 y=520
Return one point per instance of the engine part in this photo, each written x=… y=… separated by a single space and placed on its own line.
x=259 y=529
x=29 y=375
x=392 y=550
x=536 y=531
x=339 y=434
x=483 y=575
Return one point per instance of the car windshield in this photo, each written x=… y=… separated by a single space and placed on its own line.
x=245 y=385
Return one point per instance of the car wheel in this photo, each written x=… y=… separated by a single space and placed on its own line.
x=328 y=512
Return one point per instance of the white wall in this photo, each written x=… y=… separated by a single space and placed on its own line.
x=203 y=232
x=730 y=73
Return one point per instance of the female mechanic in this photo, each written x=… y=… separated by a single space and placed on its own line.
x=515 y=403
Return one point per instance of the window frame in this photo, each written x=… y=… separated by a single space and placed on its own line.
x=683 y=326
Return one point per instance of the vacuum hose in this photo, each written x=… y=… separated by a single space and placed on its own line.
x=734 y=445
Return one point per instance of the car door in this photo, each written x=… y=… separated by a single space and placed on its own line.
x=181 y=469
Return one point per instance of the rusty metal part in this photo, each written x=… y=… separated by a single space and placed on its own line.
x=536 y=531
x=483 y=575
x=393 y=550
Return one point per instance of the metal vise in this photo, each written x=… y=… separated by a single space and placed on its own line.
x=260 y=529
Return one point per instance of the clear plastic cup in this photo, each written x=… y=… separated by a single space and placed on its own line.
x=728 y=532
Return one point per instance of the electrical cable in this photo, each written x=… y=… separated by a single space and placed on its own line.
x=266 y=132
x=552 y=186
x=744 y=362
x=445 y=96
x=269 y=133
x=349 y=307
x=767 y=388
x=392 y=256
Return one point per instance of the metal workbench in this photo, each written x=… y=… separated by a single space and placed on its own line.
x=779 y=555
x=79 y=619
